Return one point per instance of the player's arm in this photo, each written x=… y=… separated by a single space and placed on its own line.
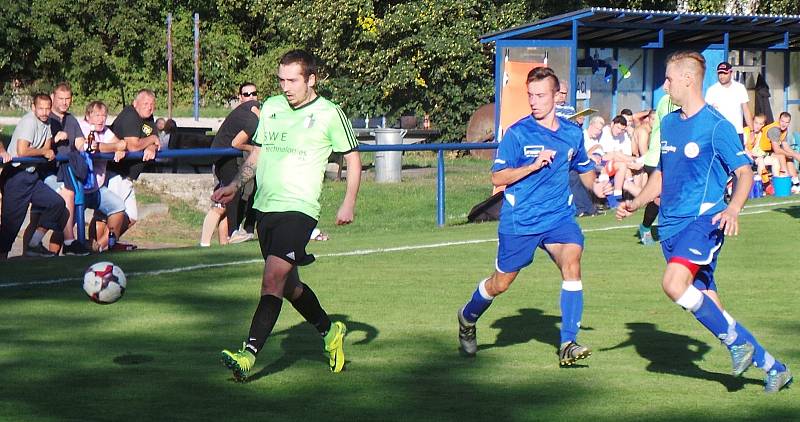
x=24 y=149
x=346 y=211
x=246 y=173
x=240 y=141
x=729 y=218
x=510 y=175
x=748 y=117
x=650 y=191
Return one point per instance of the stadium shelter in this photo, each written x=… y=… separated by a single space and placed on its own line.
x=614 y=58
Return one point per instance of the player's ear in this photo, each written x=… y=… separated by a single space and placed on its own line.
x=312 y=80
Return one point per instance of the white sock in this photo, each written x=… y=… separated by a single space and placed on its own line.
x=68 y=242
x=482 y=290
x=691 y=299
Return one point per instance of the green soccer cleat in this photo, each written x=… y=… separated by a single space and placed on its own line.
x=334 y=346
x=239 y=362
x=571 y=352
x=775 y=381
x=741 y=358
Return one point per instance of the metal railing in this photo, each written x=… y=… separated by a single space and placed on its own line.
x=232 y=152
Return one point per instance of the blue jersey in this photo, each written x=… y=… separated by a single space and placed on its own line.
x=541 y=200
x=697 y=156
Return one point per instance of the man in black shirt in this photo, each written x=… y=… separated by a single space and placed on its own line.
x=236 y=131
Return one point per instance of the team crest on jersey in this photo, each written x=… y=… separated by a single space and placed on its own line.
x=532 y=151
x=308 y=122
x=147 y=130
x=691 y=150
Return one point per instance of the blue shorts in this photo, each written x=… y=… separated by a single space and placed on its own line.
x=515 y=251
x=104 y=201
x=698 y=243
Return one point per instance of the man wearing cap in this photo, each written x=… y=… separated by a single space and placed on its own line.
x=730 y=99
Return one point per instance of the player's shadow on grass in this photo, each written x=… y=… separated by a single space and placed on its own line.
x=530 y=324
x=675 y=354
x=302 y=341
x=793 y=211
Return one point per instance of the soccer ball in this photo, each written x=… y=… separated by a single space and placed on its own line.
x=104 y=282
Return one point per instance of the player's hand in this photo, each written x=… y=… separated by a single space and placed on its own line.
x=543 y=159
x=345 y=215
x=224 y=194
x=5 y=156
x=602 y=189
x=625 y=209
x=149 y=153
x=728 y=221
x=49 y=154
x=118 y=156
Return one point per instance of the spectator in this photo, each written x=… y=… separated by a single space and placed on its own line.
x=730 y=99
x=134 y=125
x=236 y=131
x=618 y=158
x=21 y=186
x=563 y=109
x=109 y=207
x=591 y=139
x=752 y=144
x=777 y=134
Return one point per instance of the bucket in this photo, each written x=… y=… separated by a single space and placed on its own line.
x=783 y=186
x=388 y=164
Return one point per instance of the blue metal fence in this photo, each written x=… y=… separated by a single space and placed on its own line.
x=232 y=152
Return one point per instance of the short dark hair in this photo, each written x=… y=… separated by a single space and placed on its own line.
x=541 y=73
x=241 y=87
x=41 y=96
x=63 y=87
x=94 y=105
x=620 y=120
x=626 y=112
x=307 y=62
x=785 y=113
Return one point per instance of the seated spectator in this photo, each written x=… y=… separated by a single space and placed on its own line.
x=777 y=135
x=591 y=139
x=618 y=160
x=109 y=207
x=21 y=186
x=753 y=142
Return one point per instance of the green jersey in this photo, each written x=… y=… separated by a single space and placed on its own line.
x=295 y=146
x=653 y=155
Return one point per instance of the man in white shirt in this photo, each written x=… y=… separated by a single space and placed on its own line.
x=618 y=160
x=730 y=99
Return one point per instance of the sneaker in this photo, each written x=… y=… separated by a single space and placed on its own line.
x=39 y=251
x=240 y=236
x=647 y=238
x=774 y=381
x=334 y=345
x=467 y=335
x=239 y=362
x=571 y=352
x=76 y=248
x=741 y=358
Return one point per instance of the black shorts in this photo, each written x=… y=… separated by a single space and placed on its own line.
x=648 y=169
x=225 y=169
x=285 y=235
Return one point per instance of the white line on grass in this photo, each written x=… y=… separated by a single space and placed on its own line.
x=349 y=253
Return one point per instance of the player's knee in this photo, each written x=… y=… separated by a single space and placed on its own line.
x=498 y=285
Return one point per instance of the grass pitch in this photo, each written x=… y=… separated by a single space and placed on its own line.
x=154 y=354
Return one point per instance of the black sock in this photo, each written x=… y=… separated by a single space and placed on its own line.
x=308 y=306
x=269 y=307
x=650 y=214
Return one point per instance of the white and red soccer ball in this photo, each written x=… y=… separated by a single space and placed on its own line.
x=104 y=283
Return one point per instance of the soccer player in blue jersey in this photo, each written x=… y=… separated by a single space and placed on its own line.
x=533 y=162
x=699 y=149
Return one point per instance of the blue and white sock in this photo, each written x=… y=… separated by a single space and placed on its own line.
x=707 y=312
x=761 y=358
x=479 y=303
x=571 y=309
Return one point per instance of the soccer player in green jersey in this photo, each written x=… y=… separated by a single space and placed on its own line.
x=296 y=133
